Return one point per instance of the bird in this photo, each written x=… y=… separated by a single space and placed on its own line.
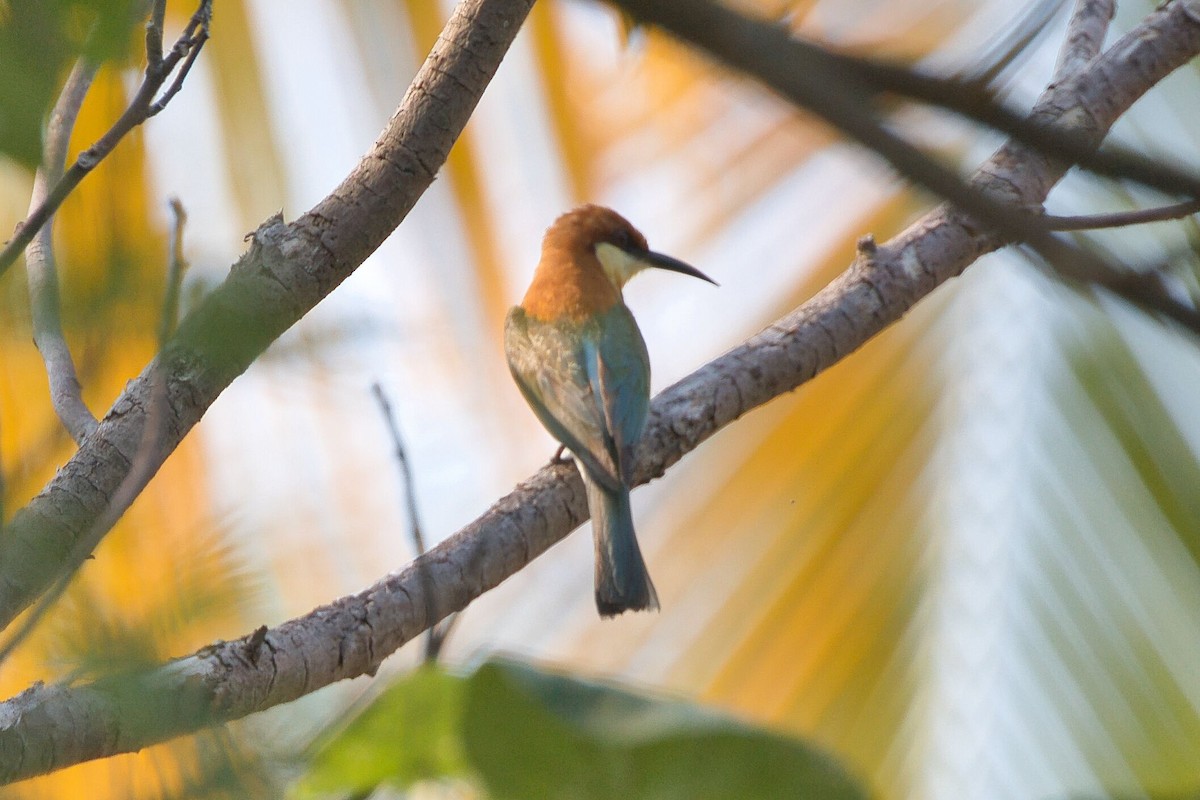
x=578 y=358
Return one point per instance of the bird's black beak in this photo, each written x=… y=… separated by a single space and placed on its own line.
x=661 y=261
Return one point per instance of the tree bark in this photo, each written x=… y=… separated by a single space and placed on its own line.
x=288 y=269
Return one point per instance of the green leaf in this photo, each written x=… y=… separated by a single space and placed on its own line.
x=38 y=41
x=407 y=734
x=32 y=59
x=531 y=733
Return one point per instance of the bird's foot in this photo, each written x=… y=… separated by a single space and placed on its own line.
x=559 y=457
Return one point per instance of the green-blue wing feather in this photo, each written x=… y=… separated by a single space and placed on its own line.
x=619 y=371
x=587 y=382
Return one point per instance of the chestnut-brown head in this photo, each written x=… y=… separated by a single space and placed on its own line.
x=588 y=255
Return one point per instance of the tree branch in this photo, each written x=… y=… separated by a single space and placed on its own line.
x=287 y=270
x=1085 y=36
x=176 y=264
x=66 y=394
x=435 y=637
x=1120 y=219
x=833 y=85
x=352 y=636
x=142 y=107
x=154 y=33
x=142 y=466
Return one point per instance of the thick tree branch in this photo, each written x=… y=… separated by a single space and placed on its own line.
x=351 y=636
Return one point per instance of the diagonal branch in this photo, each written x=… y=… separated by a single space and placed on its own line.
x=821 y=80
x=831 y=86
x=435 y=637
x=142 y=107
x=288 y=269
x=1085 y=36
x=351 y=636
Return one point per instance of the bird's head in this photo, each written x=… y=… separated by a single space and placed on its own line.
x=618 y=248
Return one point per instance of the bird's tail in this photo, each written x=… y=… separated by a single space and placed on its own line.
x=622 y=582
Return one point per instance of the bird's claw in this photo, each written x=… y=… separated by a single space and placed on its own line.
x=559 y=457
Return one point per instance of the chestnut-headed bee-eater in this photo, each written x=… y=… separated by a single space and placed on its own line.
x=579 y=359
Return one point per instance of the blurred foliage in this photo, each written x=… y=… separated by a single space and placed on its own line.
x=526 y=732
x=411 y=732
x=38 y=42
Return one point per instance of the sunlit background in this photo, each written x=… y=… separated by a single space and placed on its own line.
x=964 y=560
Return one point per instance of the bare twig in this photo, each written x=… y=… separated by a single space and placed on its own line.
x=1120 y=219
x=66 y=394
x=977 y=104
x=190 y=50
x=141 y=470
x=154 y=32
x=436 y=635
x=820 y=81
x=410 y=495
x=142 y=107
x=176 y=264
x=145 y=459
x=834 y=85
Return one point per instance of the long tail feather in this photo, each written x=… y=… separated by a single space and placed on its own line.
x=622 y=582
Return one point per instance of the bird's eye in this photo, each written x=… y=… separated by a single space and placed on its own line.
x=623 y=239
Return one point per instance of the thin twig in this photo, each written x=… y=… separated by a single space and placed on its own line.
x=824 y=81
x=66 y=393
x=1120 y=219
x=436 y=635
x=192 y=50
x=141 y=470
x=176 y=264
x=141 y=108
x=145 y=460
x=389 y=416
x=154 y=32
x=1155 y=288
x=820 y=81
x=837 y=73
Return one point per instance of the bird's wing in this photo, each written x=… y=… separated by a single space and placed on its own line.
x=550 y=364
x=618 y=369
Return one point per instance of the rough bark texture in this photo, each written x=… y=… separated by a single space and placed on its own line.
x=49 y=727
x=287 y=270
